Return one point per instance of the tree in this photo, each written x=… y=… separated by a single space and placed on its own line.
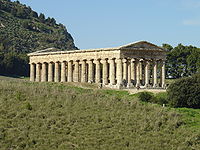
x=185 y=92
x=42 y=17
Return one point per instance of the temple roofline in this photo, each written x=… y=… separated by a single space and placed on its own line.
x=52 y=51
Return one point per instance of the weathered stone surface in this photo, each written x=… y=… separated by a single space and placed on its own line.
x=113 y=67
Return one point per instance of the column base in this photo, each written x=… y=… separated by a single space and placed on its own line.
x=155 y=86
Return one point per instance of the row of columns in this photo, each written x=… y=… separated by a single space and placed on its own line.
x=120 y=72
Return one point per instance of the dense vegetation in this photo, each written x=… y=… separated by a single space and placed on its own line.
x=62 y=116
x=182 y=61
x=185 y=92
x=23 y=30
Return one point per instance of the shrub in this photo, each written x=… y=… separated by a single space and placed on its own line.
x=145 y=96
x=185 y=92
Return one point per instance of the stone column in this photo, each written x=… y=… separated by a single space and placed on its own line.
x=98 y=72
x=90 y=71
x=38 y=72
x=32 y=72
x=57 y=72
x=70 y=74
x=133 y=72
x=129 y=84
x=162 y=76
x=76 y=71
x=137 y=63
x=147 y=67
x=50 y=72
x=112 y=71
x=119 y=72
x=140 y=66
x=83 y=72
x=125 y=70
x=105 y=72
x=63 y=71
x=44 y=72
x=155 y=67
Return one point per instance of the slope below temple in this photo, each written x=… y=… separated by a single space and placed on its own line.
x=140 y=64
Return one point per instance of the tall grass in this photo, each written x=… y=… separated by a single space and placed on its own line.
x=49 y=116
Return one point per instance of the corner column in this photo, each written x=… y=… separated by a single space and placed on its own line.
x=38 y=72
x=44 y=72
x=32 y=72
x=162 y=76
x=105 y=72
x=63 y=71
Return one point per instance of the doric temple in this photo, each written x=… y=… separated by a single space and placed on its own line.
x=140 y=64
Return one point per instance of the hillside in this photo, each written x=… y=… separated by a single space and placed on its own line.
x=62 y=116
x=23 y=30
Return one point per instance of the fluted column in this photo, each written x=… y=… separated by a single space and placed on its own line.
x=44 y=72
x=38 y=72
x=70 y=74
x=112 y=71
x=32 y=72
x=133 y=72
x=50 y=72
x=98 y=71
x=83 y=71
x=137 y=63
x=155 y=67
x=105 y=72
x=90 y=71
x=125 y=69
x=63 y=71
x=119 y=72
x=129 y=84
x=76 y=71
x=147 y=67
x=162 y=76
x=57 y=72
x=140 y=68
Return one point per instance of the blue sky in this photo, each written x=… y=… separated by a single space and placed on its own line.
x=110 y=23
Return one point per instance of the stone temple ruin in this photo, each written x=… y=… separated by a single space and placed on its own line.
x=140 y=64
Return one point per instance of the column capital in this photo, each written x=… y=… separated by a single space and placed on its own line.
x=96 y=61
x=124 y=60
x=141 y=59
x=103 y=61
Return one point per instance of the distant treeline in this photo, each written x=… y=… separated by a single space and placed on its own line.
x=182 y=61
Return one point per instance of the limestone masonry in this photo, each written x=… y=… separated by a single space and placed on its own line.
x=139 y=64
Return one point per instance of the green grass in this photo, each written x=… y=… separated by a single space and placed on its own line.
x=49 y=116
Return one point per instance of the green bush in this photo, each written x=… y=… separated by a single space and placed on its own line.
x=185 y=92
x=145 y=96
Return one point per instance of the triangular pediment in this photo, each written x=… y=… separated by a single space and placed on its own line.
x=141 y=45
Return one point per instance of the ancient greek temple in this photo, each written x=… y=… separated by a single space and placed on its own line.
x=140 y=64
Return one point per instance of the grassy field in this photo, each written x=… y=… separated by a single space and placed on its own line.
x=49 y=116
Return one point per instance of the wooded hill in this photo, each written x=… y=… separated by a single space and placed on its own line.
x=23 y=30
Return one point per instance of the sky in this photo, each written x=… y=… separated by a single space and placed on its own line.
x=111 y=23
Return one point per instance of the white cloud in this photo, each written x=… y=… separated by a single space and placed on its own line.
x=192 y=22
